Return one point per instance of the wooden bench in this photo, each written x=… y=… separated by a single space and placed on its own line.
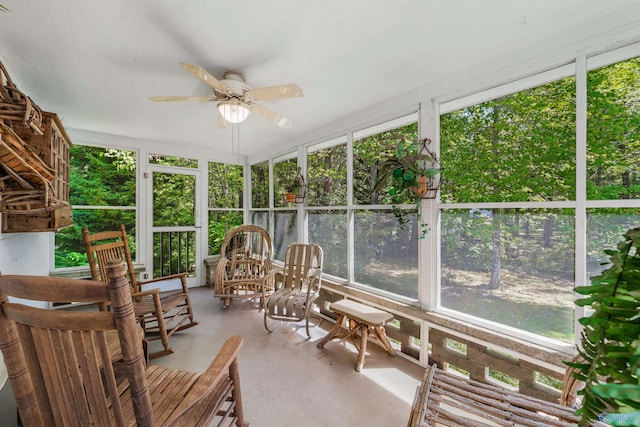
x=450 y=399
x=363 y=319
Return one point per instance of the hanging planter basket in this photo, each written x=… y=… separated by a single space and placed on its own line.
x=290 y=197
x=412 y=174
x=297 y=189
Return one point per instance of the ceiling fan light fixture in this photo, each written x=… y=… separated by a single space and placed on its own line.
x=233 y=111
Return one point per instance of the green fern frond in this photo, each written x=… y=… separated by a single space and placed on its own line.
x=609 y=342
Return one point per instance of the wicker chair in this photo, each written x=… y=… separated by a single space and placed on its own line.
x=297 y=286
x=160 y=315
x=246 y=256
x=448 y=399
x=60 y=370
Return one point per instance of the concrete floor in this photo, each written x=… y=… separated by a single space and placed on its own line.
x=287 y=381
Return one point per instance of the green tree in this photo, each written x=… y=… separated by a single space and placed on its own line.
x=99 y=177
x=509 y=150
x=613 y=129
x=226 y=184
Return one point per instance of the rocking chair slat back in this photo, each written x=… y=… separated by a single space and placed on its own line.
x=60 y=364
x=104 y=246
x=296 y=286
x=160 y=315
x=246 y=257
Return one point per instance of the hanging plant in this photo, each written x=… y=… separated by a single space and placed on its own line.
x=412 y=174
x=296 y=189
x=610 y=342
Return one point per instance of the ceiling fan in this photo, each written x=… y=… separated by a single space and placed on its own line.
x=236 y=99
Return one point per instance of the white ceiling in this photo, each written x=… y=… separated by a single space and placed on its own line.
x=95 y=63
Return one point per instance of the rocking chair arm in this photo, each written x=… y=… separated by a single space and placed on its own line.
x=181 y=276
x=273 y=279
x=225 y=363
x=315 y=280
x=220 y=274
x=155 y=291
x=221 y=268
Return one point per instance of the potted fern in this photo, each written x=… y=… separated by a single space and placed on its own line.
x=409 y=175
x=609 y=355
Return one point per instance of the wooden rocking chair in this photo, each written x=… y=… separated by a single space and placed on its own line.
x=296 y=285
x=160 y=315
x=60 y=370
x=246 y=252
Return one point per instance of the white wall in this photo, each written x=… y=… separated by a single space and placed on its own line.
x=24 y=253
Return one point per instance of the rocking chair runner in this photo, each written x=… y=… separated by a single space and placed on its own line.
x=59 y=362
x=160 y=315
x=297 y=286
x=246 y=253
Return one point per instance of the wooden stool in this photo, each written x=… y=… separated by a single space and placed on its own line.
x=361 y=318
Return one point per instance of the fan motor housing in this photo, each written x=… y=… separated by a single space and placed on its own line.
x=236 y=84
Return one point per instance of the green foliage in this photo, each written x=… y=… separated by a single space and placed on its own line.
x=260 y=185
x=284 y=177
x=226 y=184
x=101 y=177
x=327 y=176
x=613 y=129
x=220 y=222
x=294 y=185
x=158 y=159
x=399 y=176
x=173 y=199
x=610 y=352
x=549 y=381
x=510 y=149
x=369 y=153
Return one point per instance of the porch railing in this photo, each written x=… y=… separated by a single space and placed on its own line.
x=174 y=252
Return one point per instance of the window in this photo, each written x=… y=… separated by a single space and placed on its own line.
x=260 y=185
x=286 y=232
x=225 y=202
x=158 y=159
x=504 y=261
x=517 y=148
x=327 y=175
x=370 y=150
x=510 y=266
x=284 y=176
x=613 y=150
x=103 y=196
x=328 y=228
x=613 y=126
x=327 y=187
x=605 y=227
x=285 y=224
x=385 y=253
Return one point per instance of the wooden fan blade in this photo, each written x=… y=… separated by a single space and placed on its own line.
x=206 y=77
x=182 y=98
x=290 y=90
x=270 y=115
